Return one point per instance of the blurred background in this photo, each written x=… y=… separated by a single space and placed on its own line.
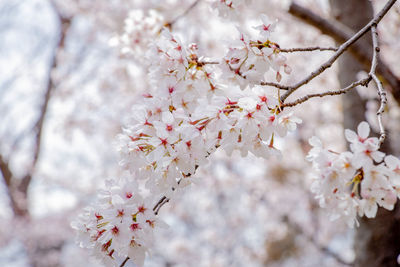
x=66 y=91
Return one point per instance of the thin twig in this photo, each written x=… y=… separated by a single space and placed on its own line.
x=172 y=22
x=162 y=203
x=307 y=49
x=208 y=63
x=342 y=48
x=155 y=208
x=381 y=91
x=277 y=85
x=124 y=262
x=363 y=82
x=341 y=33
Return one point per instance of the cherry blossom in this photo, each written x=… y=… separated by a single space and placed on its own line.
x=366 y=149
x=140 y=28
x=228 y=8
x=266 y=27
x=120 y=224
x=182 y=120
x=355 y=182
x=248 y=60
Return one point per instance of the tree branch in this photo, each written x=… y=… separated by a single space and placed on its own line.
x=340 y=51
x=341 y=33
x=277 y=85
x=7 y=177
x=187 y=10
x=290 y=89
x=307 y=49
x=124 y=262
x=363 y=82
x=381 y=91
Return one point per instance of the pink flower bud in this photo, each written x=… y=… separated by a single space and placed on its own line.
x=278 y=77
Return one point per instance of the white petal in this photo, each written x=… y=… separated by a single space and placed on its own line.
x=377 y=156
x=371 y=209
x=167 y=117
x=392 y=162
x=363 y=129
x=315 y=141
x=137 y=254
x=350 y=135
x=265 y=20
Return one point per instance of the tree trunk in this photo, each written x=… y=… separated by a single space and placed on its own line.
x=377 y=241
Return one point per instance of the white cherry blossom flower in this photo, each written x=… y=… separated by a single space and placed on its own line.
x=266 y=27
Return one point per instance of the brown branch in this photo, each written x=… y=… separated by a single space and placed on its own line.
x=124 y=262
x=162 y=203
x=340 y=51
x=156 y=207
x=8 y=178
x=307 y=49
x=5 y=171
x=363 y=82
x=277 y=85
x=341 y=33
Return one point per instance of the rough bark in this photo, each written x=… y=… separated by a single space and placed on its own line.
x=377 y=241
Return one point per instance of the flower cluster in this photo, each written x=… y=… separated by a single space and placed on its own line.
x=141 y=28
x=355 y=182
x=247 y=61
x=228 y=8
x=188 y=116
x=179 y=122
x=120 y=224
